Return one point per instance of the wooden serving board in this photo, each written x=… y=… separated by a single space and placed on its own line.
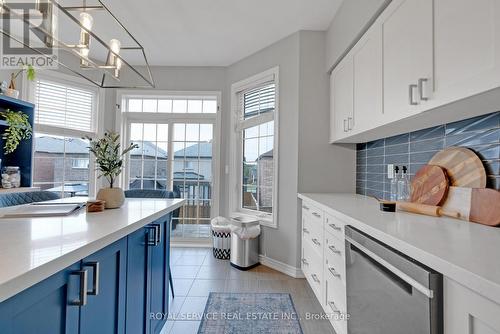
x=463 y=166
x=430 y=185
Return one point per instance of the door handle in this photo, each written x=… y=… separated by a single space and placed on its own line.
x=157 y=233
x=152 y=241
x=316 y=242
x=82 y=299
x=95 y=278
x=335 y=227
x=345 y=125
x=333 y=307
x=305 y=230
x=334 y=250
x=421 y=89
x=315 y=278
x=304 y=261
x=305 y=207
x=333 y=272
x=411 y=95
x=350 y=123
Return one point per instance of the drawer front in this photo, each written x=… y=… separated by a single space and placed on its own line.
x=335 y=226
x=334 y=258
x=335 y=304
x=335 y=294
x=312 y=267
x=312 y=233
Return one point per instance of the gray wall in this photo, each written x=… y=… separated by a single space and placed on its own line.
x=279 y=244
x=350 y=20
x=322 y=167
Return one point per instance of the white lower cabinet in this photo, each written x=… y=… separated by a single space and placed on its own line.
x=466 y=312
x=323 y=262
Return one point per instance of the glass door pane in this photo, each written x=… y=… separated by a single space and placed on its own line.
x=192 y=177
x=148 y=163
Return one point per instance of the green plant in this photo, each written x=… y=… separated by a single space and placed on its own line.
x=19 y=128
x=30 y=75
x=109 y=159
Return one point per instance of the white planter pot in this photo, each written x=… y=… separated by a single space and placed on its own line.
x=114 y=197
x=12 y=93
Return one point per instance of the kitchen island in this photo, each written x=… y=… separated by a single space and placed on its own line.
x=86 y=272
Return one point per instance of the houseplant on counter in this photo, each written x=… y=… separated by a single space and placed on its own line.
x=30 y=75
x=109 y=161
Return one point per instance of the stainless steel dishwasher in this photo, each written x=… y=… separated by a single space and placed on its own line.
x=388 y=292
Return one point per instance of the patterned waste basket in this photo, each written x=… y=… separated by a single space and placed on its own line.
x=221 y=235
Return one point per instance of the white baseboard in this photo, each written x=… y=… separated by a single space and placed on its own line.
x=281 y=267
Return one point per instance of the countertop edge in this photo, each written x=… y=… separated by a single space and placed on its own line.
x=468 y=279
x=26 y=280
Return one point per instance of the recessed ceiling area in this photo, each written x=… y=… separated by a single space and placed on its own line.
x=216 y=32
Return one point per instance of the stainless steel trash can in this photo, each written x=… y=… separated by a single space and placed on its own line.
x=244 y=252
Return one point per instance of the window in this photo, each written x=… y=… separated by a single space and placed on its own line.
x=177 y=151
x=65 y=113
x=176 y=105
x=254 y=170
x=80 y=163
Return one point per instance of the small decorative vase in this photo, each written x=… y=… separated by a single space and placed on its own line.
x=114 y=197
x=12 y=93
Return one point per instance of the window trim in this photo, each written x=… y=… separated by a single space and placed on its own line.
x=123 y=119
x=65 y=79
x=236 y=147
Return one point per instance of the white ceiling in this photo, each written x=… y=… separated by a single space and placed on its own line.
x=216 y=32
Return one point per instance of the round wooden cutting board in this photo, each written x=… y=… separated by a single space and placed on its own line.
x=463 y=166
x=430 y=185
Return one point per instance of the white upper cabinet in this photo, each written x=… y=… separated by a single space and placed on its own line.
x=341 y=99
x=467 y=48
x=407 y=64
x=367 y=59
x=417 y=55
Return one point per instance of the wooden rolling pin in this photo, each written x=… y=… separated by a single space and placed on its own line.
x=424 y=209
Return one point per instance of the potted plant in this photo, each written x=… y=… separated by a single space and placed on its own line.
x=30 y=75
x=109 y=161
x=18 y=128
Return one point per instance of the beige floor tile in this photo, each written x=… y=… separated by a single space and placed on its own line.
x=241 y=286
x=201 y=288
x=234 y=273
x=190 y=260
x=264 y=272
x=216 y=271
x=211 y=260
x=272 y=286
x=182 y=286
x=185 y=271
x=175 y=306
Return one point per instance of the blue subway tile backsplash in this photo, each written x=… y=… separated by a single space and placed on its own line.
x=415 y=149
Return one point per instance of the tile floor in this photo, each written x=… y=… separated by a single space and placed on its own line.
x=196 y=273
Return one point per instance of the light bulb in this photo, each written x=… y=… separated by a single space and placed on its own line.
x=113 y=60
x=85 y=53
x=86 y=20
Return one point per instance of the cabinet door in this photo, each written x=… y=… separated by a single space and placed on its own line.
x=408 y=56
x=138 y=282
x=341 y=99
x=465 y=312
x=105 y=309
x=367 y=58
x=467 y=48
x=159 y=275
x=45 y=308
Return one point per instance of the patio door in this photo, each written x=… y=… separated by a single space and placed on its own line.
x=177 y=156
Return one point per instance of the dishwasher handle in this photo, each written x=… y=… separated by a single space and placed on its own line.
x=404 y=277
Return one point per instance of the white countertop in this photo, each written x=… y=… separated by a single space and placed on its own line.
x=32 y=249
x=466 y=252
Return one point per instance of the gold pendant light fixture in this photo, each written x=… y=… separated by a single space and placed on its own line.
x=104 y=73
